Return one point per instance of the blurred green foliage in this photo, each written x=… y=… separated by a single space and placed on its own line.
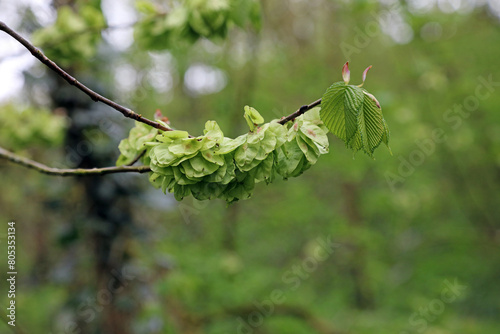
x=401 y=228
x=75 y=34
x=187 y=21
x=30 y=127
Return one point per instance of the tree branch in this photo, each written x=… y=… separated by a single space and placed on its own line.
x=97 y=97
x=71 y=35
x=72 y=81
x=299 y=112
x=4 y=154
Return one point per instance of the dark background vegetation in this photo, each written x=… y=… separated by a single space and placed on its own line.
x=112 y=254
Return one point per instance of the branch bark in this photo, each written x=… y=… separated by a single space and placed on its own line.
x=72 y=81
x=28 y=163
x=300 y=111
x=69 y=36
x=97 y=98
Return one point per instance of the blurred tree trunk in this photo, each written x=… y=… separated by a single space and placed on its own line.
x=246 y=79
x=363 y=294
x=107 y=204
x=105 y=214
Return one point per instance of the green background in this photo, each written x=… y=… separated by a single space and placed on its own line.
x=403 y=227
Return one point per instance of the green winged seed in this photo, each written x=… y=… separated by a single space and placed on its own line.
x=169 y=136
x=127 y=153
x=213 y=131
x=185 y=146
x=180 y=176
x=190 y=173
x=161 y=156
x=288 y=158
x=202 y=166
x=257 y=135
x=307 y=150
x=313 y=147
x=279 y=132
x=265 y=170
x=211 y=156
x=228 y=145
x=315 y=133
x=181 y=191
x=262 y=154
x=213 y=166
x=268 y=144
x=245 y=154
x=252 y=117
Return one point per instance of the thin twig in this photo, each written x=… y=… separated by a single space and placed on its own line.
x=4 y=154
x=299 y=112
x=97 y=97
x=121 y=169
x=71 y=35
x=72 y=81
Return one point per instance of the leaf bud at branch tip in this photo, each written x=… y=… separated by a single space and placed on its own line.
x=346 y=74
x=364 y=75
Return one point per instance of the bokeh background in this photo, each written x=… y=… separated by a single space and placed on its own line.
x=405 y=243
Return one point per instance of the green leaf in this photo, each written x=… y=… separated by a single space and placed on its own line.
x=339 y=109
x=371 y=125
x=92 y=16
x=355 y=116
x=177 y=18
x=372 y=128
x=385 y=136
x=208 y=18
x=145 y=7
